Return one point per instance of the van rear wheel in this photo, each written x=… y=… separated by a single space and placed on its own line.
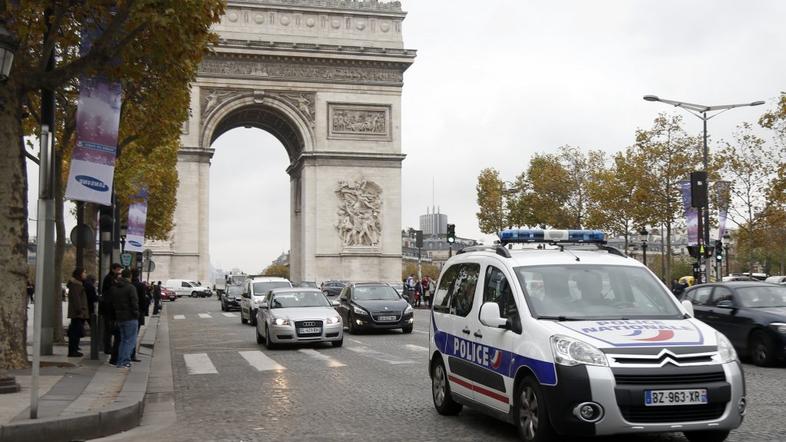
x=440 y=391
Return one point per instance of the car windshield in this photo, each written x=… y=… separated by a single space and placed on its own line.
x=762 y=296
x=590 y=292
x=261 y=288
x=375 y=293
x=299 y=299
x=234 y=290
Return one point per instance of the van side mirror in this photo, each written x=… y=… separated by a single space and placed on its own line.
x=490 y=316
x=688 y=306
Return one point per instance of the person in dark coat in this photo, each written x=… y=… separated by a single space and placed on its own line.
x=30 y=291
x=91 y=294
x=141 y=292
x=126 y=305
x=77 y=311
x=157 y=298
x=108 y=314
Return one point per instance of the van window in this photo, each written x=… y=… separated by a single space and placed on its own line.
x=463 y=293
x=185 y=284
x=442 y=297
x=497 y=289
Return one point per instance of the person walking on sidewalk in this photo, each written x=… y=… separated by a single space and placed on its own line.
x=107 y=312
x=126 y=305
x=31 y=291
x=157 y=298
x=77 y=311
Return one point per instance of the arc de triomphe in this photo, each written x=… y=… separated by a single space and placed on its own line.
x=325 y=78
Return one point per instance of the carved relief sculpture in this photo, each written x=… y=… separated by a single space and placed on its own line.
x=358 y=121
x=359 y=211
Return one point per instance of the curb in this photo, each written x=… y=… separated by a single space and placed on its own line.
x=124 y=414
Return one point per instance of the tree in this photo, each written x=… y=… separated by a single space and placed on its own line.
x=144 y=43
x=579 y=167
x=748 y=164
x=279 y=270
x=667 y=158
x=490 y=188
x=546 y=193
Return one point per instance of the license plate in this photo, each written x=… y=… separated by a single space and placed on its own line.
x=309 y=330
x=387 y=318
x=657 y=398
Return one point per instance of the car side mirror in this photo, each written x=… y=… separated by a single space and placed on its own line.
x=335 y=303
x=490 y=316
x=688 y=306
x=246 y=295
x=725 y=303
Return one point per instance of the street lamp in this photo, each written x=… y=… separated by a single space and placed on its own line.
x=644 y=234
x=8 y=49
x=726 y=243
x=701 y=111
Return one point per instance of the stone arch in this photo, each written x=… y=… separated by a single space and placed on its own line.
x=269 y=112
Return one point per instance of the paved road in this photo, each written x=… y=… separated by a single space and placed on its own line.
x=374 y=388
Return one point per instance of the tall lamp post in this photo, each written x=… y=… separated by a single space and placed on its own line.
x=644 y=234
x=8 y=48
x=703 y=113
x=726 y=241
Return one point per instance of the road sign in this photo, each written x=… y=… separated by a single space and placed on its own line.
x=149 y=266
x=147 y=254
x=125 y=259
x=82 y=235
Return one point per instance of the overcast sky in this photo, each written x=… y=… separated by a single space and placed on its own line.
x=496 y=81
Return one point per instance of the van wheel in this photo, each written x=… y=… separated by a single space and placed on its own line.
x=762 y=349
x=194 y=294
x=530 y=413
x=706 y=436
x=440 y=391
x=242 y=318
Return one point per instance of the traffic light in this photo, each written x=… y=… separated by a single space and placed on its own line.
x=718 y=250
x=451 y=233
x=419 y=239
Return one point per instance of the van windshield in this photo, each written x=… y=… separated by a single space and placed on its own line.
x=588 y=292
x=261 y=288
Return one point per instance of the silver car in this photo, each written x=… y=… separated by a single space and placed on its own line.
x=297 y=315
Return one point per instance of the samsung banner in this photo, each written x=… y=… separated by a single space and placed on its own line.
x=137 y=217
x=97 y=121
x=691 y=214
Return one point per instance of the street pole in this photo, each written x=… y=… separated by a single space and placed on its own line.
x=706 y=231
x=644 y=252
x=726 y=255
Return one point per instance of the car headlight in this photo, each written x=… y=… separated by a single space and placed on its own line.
x=726 y=351
x=408 y=309
x=359 y=310
x=332 y=320
x=280 y=321
x=779 y=327
x=570 y=352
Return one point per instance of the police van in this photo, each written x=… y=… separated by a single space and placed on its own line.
x=560 y=334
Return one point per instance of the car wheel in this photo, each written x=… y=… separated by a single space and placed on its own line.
x=706 y=436
x=269 y=342
x=531 y=416
x=253 y=318
x=338 y=343
x=194 y=294
x=352 y=328
x=440 y=391
x=407 y=329
x=762 y=349
x=260 y=339
x=243 y=318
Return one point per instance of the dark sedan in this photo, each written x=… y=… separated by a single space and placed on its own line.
x=230 y=298
x=333 y=288
x=374 y=306
x=751 y=314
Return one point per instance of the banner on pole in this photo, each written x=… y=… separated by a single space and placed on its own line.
x=723 y=194
x=137 y=217
x=92 y=171
x=691 y=214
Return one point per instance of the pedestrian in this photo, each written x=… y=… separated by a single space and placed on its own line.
x=77 y=311
x=91 y=293
x=107 y=312
x=432 y=288
x=143 y=300
x=157 y=298
x=126 y=305
x=31 y=291
x=418 y=293
x=424 y=289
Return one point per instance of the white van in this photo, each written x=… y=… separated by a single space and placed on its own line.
x=254 y=290
x=573 y=338
x=184 y=287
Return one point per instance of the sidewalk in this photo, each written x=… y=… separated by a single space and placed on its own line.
x=78 y=398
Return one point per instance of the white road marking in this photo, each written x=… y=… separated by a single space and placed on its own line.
x=356 y=341
x=199 y=363
x=205 y=315
x=230 y=315
x=260 y=361
x=317 y=355
x=384 y=357
x=179 y=316
x=420 y=331
x=416 y=347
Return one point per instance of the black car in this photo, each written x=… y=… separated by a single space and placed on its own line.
x=751 y=314
x=230 y=298
x=333 y=288
x=374 y=306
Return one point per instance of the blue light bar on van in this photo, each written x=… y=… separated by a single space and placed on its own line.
x=548 y=236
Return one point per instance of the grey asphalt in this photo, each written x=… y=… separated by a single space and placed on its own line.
x=377 y=389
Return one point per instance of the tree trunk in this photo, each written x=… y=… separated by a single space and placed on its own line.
x=667 y=253
x=60 y=236
x=91 y=254
x=13 y=231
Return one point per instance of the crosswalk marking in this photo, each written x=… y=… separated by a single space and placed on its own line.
x=260 y=361
x=317 y=355
x=384 y=357
x=205 y=315
x=199 y=363
x=416 y=347
x=180 y=316
x=230 y=315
